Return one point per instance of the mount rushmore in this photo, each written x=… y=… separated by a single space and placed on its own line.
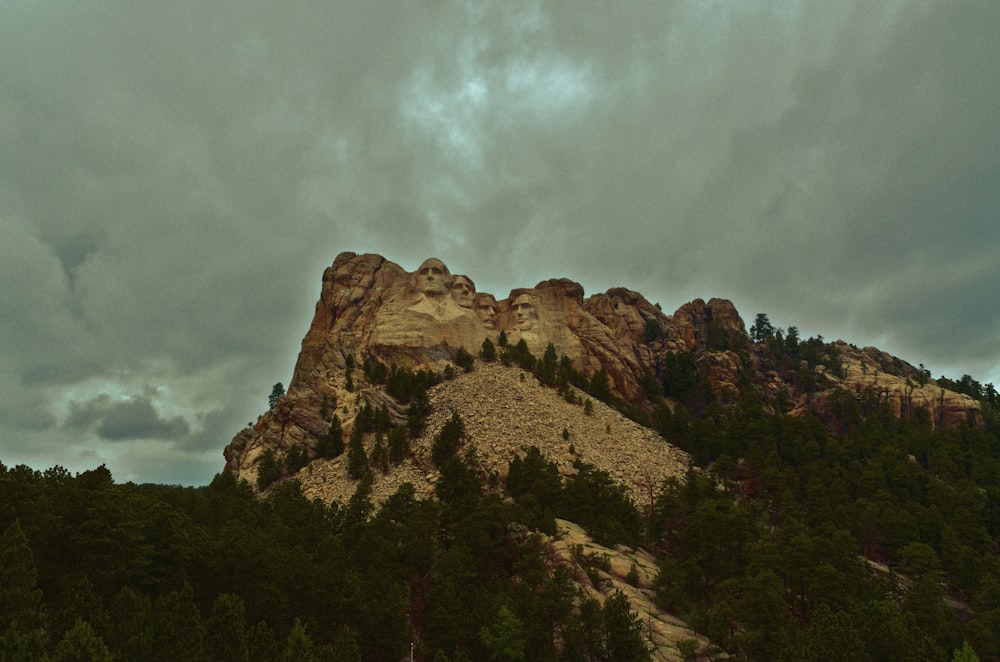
x=372 y=309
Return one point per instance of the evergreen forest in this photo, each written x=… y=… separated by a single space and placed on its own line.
x=861 y=536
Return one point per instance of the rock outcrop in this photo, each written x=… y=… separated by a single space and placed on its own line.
x=600 y=571
x=870 y=372
x=371 y=309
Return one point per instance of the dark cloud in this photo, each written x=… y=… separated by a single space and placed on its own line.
x=175 y=178
x=131 y=418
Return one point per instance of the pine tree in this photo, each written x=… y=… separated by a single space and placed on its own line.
x=268 y=470
x=623 y=631
x=504 y=639
x=277 y=391
x=380 y=455
x=226 y=629
x=19 y=646
x=19 y=599
x=761 y=330
x=178 y=626
x=488 y=352
x=399 y=445
x=345 y=646
x=332 y=443
x=130 y=626
x=300 y=645
x=81 y=644
x=965 y=654
x=447 y=441
x=262 y=644
x=357 y=460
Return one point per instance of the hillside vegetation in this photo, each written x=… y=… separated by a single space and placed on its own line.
x=841 y=533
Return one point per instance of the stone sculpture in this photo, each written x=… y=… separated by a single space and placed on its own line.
x=463 y=291
x=486 y=308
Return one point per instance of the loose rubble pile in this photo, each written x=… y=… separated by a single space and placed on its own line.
x=505 y=411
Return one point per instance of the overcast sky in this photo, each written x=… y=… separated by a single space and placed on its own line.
x=175 y=176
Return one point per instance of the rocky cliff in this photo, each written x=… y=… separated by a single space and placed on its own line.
x=372 y=309
x=372 y=314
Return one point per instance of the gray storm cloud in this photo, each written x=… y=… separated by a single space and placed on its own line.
x=174 y=179
x=121 y=420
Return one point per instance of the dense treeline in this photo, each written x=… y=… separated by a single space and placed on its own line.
x=858 y=536
x=153 y=572
x=861 y=536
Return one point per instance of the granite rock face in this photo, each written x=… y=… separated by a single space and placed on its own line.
x=872 y=373
x=372 y=309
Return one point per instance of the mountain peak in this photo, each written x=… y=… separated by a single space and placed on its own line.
x=373 y=316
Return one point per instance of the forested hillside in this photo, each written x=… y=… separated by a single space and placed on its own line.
x=845 y=533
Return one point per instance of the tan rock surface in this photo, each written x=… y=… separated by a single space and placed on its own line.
x=570 y=547
x=504 y=414
x=866 y=370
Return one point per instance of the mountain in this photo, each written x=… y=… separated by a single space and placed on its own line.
x=400 y=371
x=373 y=316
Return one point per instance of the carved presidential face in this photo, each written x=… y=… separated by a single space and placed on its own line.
x=525 y=312
x=463 y=291
x=486 y=308
x=433 y=278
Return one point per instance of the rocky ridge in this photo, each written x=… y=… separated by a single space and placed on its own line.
x=372 y=308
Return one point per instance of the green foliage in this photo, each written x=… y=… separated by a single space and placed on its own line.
x=19 y=596
x=277 y=391
x=374 y=370
x=299 y=647
x=965 y=654
x=22 y=645
x=759 y=549
x=623 y=631
x=405 y=385
x=399 y=445
x=719 y=339
x=177 y=625
x=546 y=369
x=652 y=331
x=520 y=355
x=357 y=459
x=464 y=360
x=268 y=470
x=262 y=643
x=81 y=644
x=296 y=458
x=761 y=330
x=596 y=502
x=345 y=647
x=504 y=639
x=416 y=414
x=226 y=636
x=349 y=372
x=448 y=440
x=380 y=454
x=488 y=352
x=332 y=443
x=610 y=633
x=600 y=386
x=535 y=485
x=679 y=376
